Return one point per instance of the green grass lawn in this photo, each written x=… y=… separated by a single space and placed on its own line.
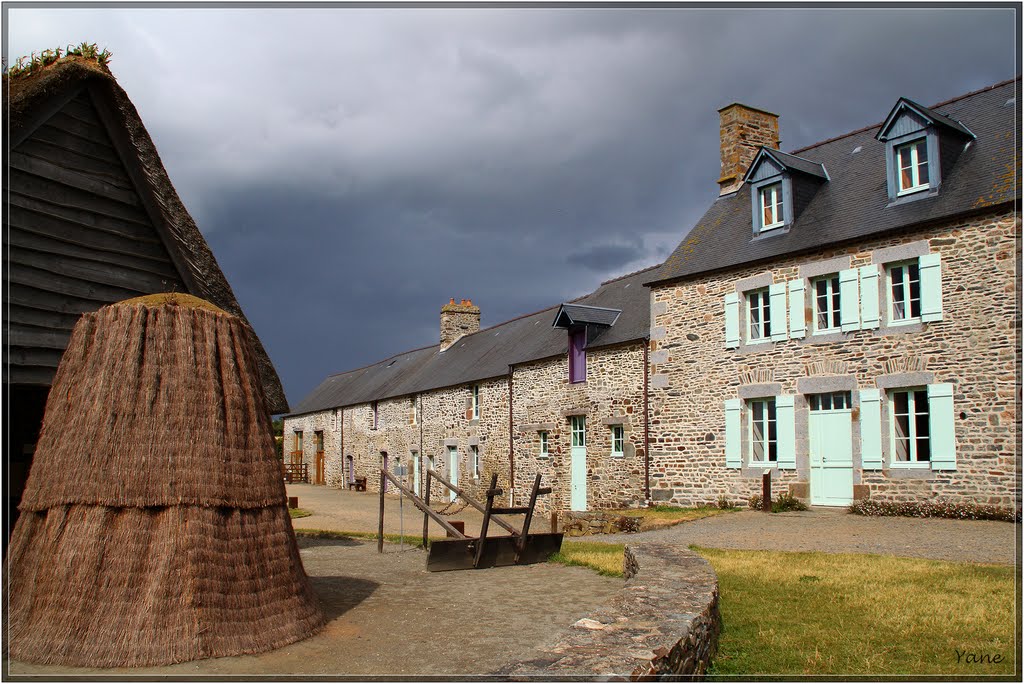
x=605 y=558
x=656 y=517
x=839 y=614
x=299 y=513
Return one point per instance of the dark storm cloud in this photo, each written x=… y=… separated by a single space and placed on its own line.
x=353 y=169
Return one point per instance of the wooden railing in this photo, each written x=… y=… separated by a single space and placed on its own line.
x=295 y=472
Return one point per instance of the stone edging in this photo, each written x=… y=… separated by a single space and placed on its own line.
x=665 y=621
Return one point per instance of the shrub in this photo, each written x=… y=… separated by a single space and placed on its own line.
x=724 y=503
x=784 y=502
x=934 y=509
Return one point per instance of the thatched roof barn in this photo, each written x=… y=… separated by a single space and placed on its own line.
x=153 y=526
x=92 y=219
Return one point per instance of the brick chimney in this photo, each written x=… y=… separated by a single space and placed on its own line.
x=458 y=319
x=743 y=130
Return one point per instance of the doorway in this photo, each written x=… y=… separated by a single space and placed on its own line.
x=578 y=464
x=830 y=428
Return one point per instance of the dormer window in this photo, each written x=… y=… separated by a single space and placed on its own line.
x=777 y=179
x=912 y=159
x=771 y=206
x=914 y=136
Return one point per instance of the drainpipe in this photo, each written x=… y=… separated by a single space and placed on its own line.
x=647 y=430
x=423 y=456
x=342 y=461
x=511 y=449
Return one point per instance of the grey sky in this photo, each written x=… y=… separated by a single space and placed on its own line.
x=352 y=169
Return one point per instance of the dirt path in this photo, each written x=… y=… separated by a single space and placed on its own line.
x=835 y=531
x=389 y=616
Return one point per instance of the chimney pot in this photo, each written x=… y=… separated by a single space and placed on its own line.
x=458 y=320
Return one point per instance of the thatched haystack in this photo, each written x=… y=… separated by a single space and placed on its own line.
x=153 y=527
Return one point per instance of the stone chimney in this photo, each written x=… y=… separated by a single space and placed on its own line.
x=458 y=319
x=743 y=130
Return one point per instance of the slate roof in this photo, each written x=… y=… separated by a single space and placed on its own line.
x=853 y=204
x=488 y=353
x=578 y=314
x=30 y=99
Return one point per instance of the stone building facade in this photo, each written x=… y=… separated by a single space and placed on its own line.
x=868 y=356
x=462 y=430
x=845 y=317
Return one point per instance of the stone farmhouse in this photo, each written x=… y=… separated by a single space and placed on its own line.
x=844 y=316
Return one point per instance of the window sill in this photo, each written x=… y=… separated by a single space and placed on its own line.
x=618 y=455
x=912 y=196
x=911 y=465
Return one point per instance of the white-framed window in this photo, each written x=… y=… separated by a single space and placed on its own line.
x=904 y=292
x=770 y=201
x=578 y=425
x=474 y=402
x=763 y=434
x=543 y=442
x=474 y=452
x=912 y=166
x=910 y=441
x=618 y=440
x=826 y=303
x=759 y=319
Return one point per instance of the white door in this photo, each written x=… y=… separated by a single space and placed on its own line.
x=578 y=464
x=453 y=470
x=831 y=449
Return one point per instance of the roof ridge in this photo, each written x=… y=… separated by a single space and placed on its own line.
x=876 y=125
x=622 y=277
x=377 y=363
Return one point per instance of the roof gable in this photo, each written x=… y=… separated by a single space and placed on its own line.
x=769 y=162
x=908 y=117
x=34 y=99
x=570 y=315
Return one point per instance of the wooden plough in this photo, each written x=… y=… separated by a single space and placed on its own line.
x=462 y=552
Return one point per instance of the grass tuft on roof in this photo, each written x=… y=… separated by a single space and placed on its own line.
x=171 y=299
x=27 y=65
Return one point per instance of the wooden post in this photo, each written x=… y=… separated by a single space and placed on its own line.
x=529 y=518
x=426 y=518
x=458 y=490
x=487 y=519
x=766 y=492
x=380 y=525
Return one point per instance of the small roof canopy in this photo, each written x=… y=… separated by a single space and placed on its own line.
x=570 y=315
x=932 y=117
x=786 y=162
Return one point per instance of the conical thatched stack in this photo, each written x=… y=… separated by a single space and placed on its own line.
x=153 y=526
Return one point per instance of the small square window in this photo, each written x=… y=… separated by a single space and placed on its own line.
x=618 y=440
x=826 y=303
x=474 y=452
x=904 y=292
x=475 y=402
x=770 y=197
x=543 y=442
x=579 y=430
x=912 y=166
x=759 y=323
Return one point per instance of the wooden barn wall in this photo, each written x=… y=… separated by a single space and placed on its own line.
x=78 y=237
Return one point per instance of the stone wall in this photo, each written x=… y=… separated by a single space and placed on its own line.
x=974 y=347
x=543 y=399
x=585 y=523
x=666 y=621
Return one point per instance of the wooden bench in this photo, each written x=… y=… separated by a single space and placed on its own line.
x=358 y=484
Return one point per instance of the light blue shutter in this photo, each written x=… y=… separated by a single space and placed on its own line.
x=797 y=320
x=785 y=424
x=732 y=320
x=941 y=428
x=871 y=429
x=931 y=287
x=777 y=302
x=732 y=433
x=868 y=297
x=849 y=302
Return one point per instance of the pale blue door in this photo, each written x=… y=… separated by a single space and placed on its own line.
x=831 y=455
x=578 y=464
x=453 y=470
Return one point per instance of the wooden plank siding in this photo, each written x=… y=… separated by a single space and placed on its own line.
x=77 y=237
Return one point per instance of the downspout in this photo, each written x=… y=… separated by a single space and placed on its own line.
x=511 y=449
x=423 y=456
x=342 y=461
x=647 y=430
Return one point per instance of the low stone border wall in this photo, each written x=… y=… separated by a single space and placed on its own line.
x=583 y=523
x=664 y=622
